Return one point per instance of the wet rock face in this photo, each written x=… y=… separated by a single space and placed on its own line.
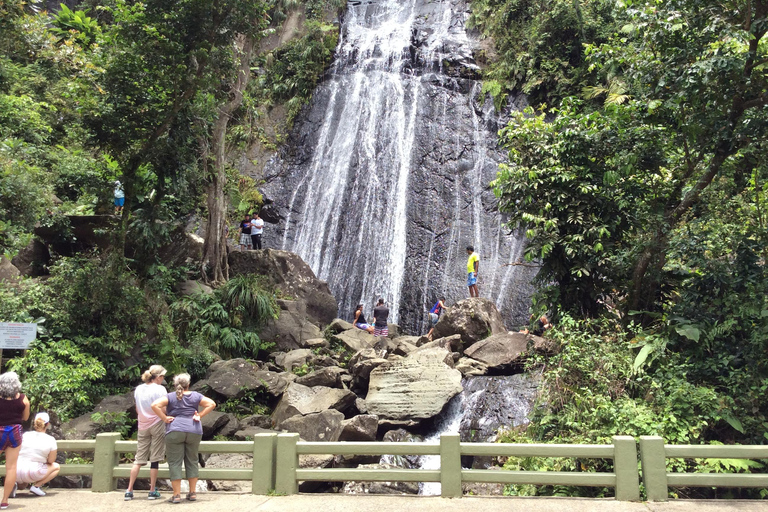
x=384 y=180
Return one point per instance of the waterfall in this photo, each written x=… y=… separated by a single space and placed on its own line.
x=384 y=179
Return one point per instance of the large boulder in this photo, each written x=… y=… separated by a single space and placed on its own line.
x=303 y=400
x=292 y=276
x=321 y=426
x=416 y=387
x=339 y=325
x=291 y=329
x=330 y=377
x=500 y=351
x=474 y=319
x=232 y=378
x=470 y=367
x=213 y=422
x=32 y=259
x=362 y=427
x=361 y=365
x=83 y=427
x=294 y=359
x=355 y=339
x=192 y=287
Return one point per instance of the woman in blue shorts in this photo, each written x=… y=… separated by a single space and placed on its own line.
x=359 y=320
x=14 y=409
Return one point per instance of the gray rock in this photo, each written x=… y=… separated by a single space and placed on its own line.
x=212 y=422
x=499 y=351
x=329 y=377
x=8 y=273
x=32 y=259
x=83 y=427
x=321 y=426
x=292 y=329
x=361 y=406
x=256 y=420
x=543 y=346
x=452 y=343
x=317 y=343
x=469 y=367
x=234 y=461
x=292 y=276
x=360 y=428
x=233 y=378
x=294 y=359
x=303 y=400
x=247 y=434
x=355 y=339
x=361 y=365
x=474 y=319
x=190 y=287
x=412 y=388
x=380 y=487
x=272 y=382
x=230 y=428
x=394 y=330
x=428 y=355
x=338 y=325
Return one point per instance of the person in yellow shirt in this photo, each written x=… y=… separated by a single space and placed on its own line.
x=473 y=266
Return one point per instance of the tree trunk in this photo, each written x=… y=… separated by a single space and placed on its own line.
x=215 y=268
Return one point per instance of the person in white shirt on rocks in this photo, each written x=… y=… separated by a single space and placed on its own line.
x=37 y=458
x=151 y=436
x=257 y=229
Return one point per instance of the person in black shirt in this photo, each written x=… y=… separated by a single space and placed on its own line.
x=380 y=315
x=245 y=233
x=360 y=321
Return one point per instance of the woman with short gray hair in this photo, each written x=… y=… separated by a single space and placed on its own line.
x=183 y=432
x=14 y=409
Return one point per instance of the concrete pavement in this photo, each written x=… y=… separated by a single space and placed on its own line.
x=87 y=501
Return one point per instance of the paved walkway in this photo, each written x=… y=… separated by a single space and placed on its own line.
x=86 y=501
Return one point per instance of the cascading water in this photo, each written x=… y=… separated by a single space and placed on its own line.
x=384 y=179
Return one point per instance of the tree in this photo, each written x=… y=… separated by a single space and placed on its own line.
x=603 y=188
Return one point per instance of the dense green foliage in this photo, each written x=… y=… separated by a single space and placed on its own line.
x=643 y=198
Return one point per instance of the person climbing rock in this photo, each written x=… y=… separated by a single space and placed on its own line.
x=473 y=267
x=245 y=233
x=380 y=316
x=434 y=315
x=359 y=320
x=257 y=228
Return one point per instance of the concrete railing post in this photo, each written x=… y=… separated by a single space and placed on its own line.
x=287 y=462
x=654 y=464
x=263 y=463
x=450 y=465
x=104 y=462
x=625 y=468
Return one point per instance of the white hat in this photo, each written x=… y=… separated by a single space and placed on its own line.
x=43 y=416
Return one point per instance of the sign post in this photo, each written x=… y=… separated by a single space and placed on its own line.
x=15 y=335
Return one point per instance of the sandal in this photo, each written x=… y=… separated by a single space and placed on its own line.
x=192 y=496
x=175 y=499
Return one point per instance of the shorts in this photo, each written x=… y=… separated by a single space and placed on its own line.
x=119 y=201
x=381 y=332
x=151 y=444
x=29 y=472
x=471 y=278
x=364 y=327
x=245 y=239
x=10 y=437
x=433 y=318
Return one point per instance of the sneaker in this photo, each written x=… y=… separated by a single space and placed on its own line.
x=128 y=495
x=154 y=495
x=3 y=506
x=36 y=490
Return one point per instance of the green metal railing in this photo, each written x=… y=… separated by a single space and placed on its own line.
x=276 y=464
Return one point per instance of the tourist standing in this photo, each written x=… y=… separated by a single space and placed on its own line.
x=380 y=316
x=473 y=267
x=434 y=315
x=119 y=198
x=359 y=320
x=151 y=435
x=257 y=228
x=179 y=412
x=37 y=458
x=14 y=409
x=245 y=233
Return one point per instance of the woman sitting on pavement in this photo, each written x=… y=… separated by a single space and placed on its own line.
x=360 y=321
x=184 y=432
x=37 y=458
x=14 y=409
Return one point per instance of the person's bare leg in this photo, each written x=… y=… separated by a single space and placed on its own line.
x=176 y=486
x=134 y=474
x=53 y=471
x=11 y=456
x=152 y=478
x=193 y=485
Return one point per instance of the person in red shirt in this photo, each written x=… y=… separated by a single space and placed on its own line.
x=14 y=409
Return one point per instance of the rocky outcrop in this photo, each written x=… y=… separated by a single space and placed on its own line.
x=474 y=319
x=413 y=387
x=331 y=377
x=362 y=427
x=83 y=427
x=355 y=339
x=321 y=426
x=499 y=351
x=292 y=276
x=303 y=400
x=339 y=325
x=293 y=359
x=8 y=273
x=32 y=259
x=292 y=329
x=192 y=287
x=233 y=461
